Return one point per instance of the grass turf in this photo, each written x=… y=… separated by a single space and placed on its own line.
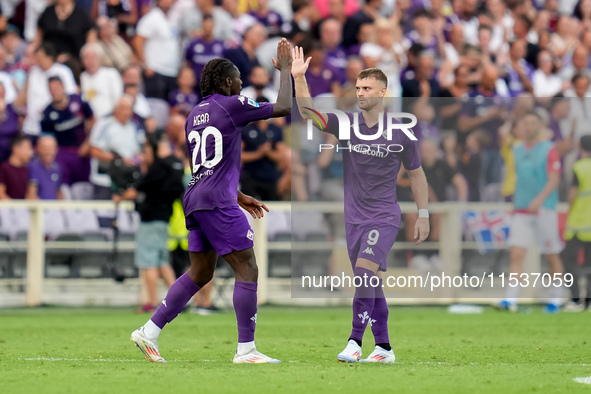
x=436 y=352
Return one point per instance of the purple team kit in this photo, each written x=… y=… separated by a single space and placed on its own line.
x=213 y=132
x=372 y=213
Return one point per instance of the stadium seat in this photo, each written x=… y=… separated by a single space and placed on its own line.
x=5 y=258
x=54 y=223
x=60 y=263
x=81 y=221
x=278 y=222
x=81 y=191
x=93 y=263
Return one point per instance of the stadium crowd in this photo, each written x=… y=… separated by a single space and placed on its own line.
x=83 y=83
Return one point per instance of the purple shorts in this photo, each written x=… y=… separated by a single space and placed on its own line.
x=222 y=229
x=72 y=167
x=371 y=242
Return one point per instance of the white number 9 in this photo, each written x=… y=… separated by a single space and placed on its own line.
x=372 y=237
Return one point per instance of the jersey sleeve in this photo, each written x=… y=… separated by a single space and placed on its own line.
x=553 y=161
x=244 y=110
x=410 y=154
x=332 y=124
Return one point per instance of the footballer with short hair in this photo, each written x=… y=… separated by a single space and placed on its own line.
x=372 y=213
x=212 y=202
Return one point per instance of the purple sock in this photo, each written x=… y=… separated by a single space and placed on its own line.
x=379 y=316
x=363 y=303
x=245 y=305
x=175 y=301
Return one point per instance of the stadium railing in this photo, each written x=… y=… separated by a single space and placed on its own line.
x=450 y=245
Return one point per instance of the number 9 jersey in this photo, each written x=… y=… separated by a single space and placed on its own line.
x=214 y=138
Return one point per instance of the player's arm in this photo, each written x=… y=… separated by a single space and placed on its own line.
x=283 y=63
x=420 y=192
x=553 y=170
x=252 y=205
x=303 y=97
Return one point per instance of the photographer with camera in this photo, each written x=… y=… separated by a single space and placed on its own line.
x=116 y=149
x=160 y=184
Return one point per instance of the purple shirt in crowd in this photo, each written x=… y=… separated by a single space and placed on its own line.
x=184 y=103
x=337 y=59
x=67 y=125
x=48 y=180
x=214 y=142
x=476 y=105
x=8 y=129
x=425 y=130
x=321 y=83
x=371 y=170
x=513 y=81
x=15 y=179
x=199 y=52
x=272 y=21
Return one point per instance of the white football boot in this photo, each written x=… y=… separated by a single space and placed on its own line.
x=351 y=354
x=380 y=355
x=147 y=346
x=253 y=356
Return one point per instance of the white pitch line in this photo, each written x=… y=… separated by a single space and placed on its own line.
x=586 y=380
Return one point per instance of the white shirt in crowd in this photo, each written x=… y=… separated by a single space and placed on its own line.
x=269 y=93
x=10 y=91
x=109 y=135
x=161 y=49
x=38 y=96
x=387 y=63
x=546 y=85
x=101 y=90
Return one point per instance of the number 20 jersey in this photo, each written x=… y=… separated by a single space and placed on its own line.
x=214 y=136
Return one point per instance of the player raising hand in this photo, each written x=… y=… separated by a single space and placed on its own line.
x=216 y=224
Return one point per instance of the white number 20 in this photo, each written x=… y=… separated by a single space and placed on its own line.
x=201 y=143
x=372 y=237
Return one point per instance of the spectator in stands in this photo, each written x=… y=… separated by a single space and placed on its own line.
x=300 y=24
x=6 y=79
x=331 y=37
x=69 y=119
x=484 y=112
x=184 y=99
x=262 y=150
x=67 y=26
x=453 y=49
x=116 y=52
x=14 y=46
x=8 y=125
x=38 y=96
x=518 y=72
x=101 y=86
x=471 y=161
x=425 y=128
x=44 y=173
x=114 y=136
x=267 y=17
x=191 y=21
x=322 y=78
x=244 y=57
x=204 y=47
x=259 y=85
x=424 y=84
x=426 y=33
x=368 y=13
x=386 y=54
x=123 y=12
x=148 y=124
x=157 y=48
x=579 y=65
x=545 y=81
x=14 y=173
x=366 y=34
x=160 y=185
x=450 y=104
x=132 y=76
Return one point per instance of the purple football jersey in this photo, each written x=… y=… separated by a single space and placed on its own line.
x=214 y=141
x=371 y=170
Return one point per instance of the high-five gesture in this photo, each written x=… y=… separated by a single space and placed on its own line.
x=283 y=60
x=299 y=66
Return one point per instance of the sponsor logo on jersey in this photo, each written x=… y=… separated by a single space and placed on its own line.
x=368 y=250
x=250 y=235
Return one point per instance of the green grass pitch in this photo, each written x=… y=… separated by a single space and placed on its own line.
x=61 y=350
